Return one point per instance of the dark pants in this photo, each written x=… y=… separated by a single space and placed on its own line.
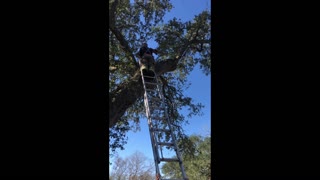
x=147 y=62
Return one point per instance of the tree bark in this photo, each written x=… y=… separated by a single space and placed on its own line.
x=126 y=94
x=123 y=97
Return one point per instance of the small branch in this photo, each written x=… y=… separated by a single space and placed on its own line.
x=124 y=44
x=204 y=41
x=112 y=13
x=169 y=65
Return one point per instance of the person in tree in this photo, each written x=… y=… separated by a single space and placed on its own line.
x=146 y=58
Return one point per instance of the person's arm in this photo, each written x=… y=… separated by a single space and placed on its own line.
x=140 y=53
x=155 y=51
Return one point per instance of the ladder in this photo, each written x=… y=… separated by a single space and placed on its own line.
x=159 y=123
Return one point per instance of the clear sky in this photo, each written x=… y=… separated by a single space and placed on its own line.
x=199 y=90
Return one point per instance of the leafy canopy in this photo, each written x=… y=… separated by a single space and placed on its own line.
x=185 y=44
x=196 y=159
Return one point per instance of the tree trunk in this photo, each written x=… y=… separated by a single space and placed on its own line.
x=127 y=93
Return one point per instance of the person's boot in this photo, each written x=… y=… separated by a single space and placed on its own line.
x=143 y=67
x=152 y=68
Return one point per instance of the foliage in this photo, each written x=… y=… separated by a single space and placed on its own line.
x=196 y=159
x=184 y=43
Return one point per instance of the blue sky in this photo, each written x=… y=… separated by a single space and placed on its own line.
x=199 y=90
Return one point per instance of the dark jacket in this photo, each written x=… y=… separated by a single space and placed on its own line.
x=147 y=50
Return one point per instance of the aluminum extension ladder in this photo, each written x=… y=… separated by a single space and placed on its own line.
x=159 y=123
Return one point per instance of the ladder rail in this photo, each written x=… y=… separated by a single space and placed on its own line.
x=154 y=144
x=184 y=175
x=155 y=132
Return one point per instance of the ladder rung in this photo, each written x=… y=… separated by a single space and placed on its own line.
x=151 y=83
x=157 y=118
x=151 y=89
x=163 y=130
x=151 y=96
x=155 y=99
x=155 y=103
x=155 y=109
x=149 y=76
x=157 y=106
x=152 y=86
x=169 y=159
x=166 y=144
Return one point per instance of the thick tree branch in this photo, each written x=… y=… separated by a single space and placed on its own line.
x=122 y=98
x=197 y=41
x=124 y=44
x=112 y=12
x=169 y=65
x=127 y=93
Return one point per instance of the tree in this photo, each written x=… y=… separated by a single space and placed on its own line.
x=119 y=169
x=135 y=167
x=196 y=160
x=181 y=46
